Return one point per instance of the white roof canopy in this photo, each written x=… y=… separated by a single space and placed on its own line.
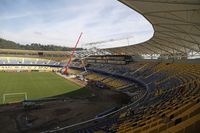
x=176 y=26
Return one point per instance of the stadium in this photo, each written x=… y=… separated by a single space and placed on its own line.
x=150 y=87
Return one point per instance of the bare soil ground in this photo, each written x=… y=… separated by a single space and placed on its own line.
x=49 y=115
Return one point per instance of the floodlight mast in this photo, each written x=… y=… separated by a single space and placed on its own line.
x=71 y=56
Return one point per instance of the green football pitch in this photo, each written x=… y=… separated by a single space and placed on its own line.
x=16 y=87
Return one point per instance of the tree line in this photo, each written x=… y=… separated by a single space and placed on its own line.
x=6 y=44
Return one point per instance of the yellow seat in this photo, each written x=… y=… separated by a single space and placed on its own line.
x=191 y=125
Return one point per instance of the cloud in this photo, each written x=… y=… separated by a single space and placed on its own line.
x=61 y=24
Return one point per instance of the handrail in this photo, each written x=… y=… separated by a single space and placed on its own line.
x=102 y=117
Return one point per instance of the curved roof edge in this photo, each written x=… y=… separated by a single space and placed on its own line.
x=176 y=26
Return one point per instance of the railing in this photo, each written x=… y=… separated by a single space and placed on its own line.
x=124 y=108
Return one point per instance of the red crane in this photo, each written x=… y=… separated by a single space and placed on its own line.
x=71 y=56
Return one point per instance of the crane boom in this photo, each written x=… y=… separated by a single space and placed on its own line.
x=71 y=56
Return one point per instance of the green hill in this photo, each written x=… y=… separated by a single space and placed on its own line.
x=6 y=44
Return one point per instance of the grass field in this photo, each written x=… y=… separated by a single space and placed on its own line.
x=17 y=86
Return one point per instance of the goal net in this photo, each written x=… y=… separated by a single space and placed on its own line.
x=14 y=97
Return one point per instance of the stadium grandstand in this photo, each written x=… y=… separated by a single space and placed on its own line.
x=52 y=55
x=32 y=60
x=151 y=87
x=170 y=101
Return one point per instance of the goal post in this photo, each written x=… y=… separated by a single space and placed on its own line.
x=14 y=97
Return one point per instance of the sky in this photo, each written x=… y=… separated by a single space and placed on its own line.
x=60 y=22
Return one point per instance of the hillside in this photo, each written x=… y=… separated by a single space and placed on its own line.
x=6 y=44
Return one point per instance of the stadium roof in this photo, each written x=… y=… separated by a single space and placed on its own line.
x=176 y=26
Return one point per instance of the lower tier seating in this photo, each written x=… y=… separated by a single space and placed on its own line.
x=171 y=106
